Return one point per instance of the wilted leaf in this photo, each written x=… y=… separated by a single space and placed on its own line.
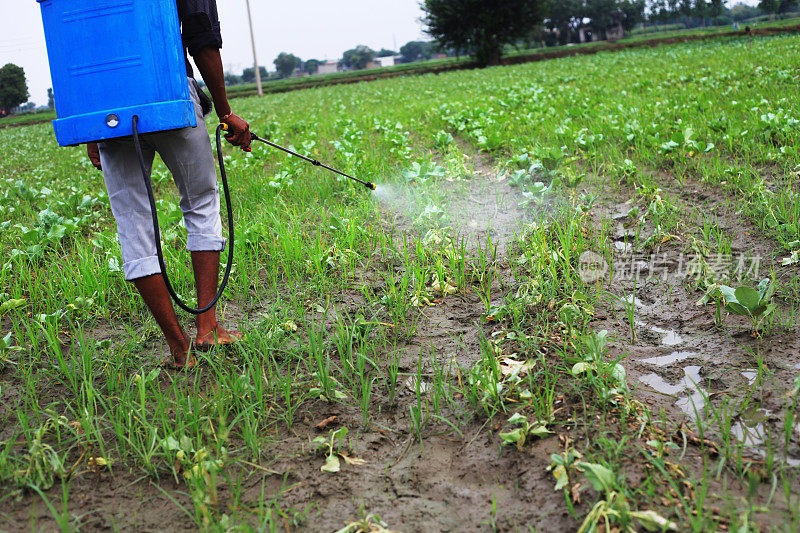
x=653 y=521
x=331 y=464
x=326 y=422
x=579 y=368
x=510 y=366
x=8 y=305
x=357 y=461
x=517 y=418
x=539 y=430
x=411 y=384
x=97 y=462
x=516 y=436
x=601 y=478
x=560 y=473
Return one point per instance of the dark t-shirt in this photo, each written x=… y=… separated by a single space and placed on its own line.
x=199 y=27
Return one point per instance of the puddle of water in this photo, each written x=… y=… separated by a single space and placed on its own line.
x=631 y=299
x=695 y=397
x=750 y=429
x=750 y=375
x=623 y=247
x=670 y=337
x=664 y=360
x=748 y=436
x=660 y=384
x=693 y=403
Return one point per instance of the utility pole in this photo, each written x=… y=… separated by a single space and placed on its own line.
x=255 y=58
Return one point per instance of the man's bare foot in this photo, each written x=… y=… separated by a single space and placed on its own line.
x=180 y=358
x=170 y=363
x=215 y=335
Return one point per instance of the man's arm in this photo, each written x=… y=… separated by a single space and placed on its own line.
x=209 y=63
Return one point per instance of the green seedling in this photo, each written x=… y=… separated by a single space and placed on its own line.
x=564 y=468
x=614 y=508
x=525 y=430
x=201 y=471
x=442 y=140
x=332 y=447
x=369 y=523
x=421 y=174
x=755 y=304
x=42 y=463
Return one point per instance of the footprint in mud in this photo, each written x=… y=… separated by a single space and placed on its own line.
x=669 y=359
x=668 y=337
x=692 y=402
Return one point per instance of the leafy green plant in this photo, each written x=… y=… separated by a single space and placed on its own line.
x=755 y=304
x=442 y=140
x=332 y=447
x=423 y=173
x=614 y=509
x=525 y=430
x=42 y=463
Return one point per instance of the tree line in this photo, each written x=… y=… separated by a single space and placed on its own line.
x=286 y=64
x=485 y=29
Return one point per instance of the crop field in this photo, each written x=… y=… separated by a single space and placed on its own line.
x=570 y=305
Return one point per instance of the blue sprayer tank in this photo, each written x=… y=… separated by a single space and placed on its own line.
x=111 y=60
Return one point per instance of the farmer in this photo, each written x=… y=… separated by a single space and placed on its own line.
x=187 y=153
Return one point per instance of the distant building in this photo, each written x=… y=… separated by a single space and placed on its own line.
x=328 y=67
x=388 y=61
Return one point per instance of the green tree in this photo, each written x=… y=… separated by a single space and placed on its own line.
x=13 y=87
x=603 y=13
x=715 y=9
x=416 y=51
x=701 y=10
x=312 y=65
x=249 y=74
x=481 y=27
x=565 y=16
x=384 y=52
x=770 y=7
x=51 y=99
x=358 y=57
x=286 y=63
x=632 y=13
x=787 y=5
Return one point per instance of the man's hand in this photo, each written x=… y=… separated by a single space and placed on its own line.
x=238 y=131
x=94 y=154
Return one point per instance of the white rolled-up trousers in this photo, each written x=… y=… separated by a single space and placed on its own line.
x=188 y=156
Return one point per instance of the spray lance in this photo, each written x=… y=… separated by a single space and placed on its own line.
x=226 y=191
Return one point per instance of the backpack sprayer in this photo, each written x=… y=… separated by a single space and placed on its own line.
x=107 y=87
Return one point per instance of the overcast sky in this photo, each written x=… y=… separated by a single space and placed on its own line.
x=320 y=29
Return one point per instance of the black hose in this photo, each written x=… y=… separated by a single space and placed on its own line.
x=157 y=230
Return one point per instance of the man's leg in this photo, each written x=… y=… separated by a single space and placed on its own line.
x=206 y=276
x=131 y=208
x=188 y=155
x=155 y=295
